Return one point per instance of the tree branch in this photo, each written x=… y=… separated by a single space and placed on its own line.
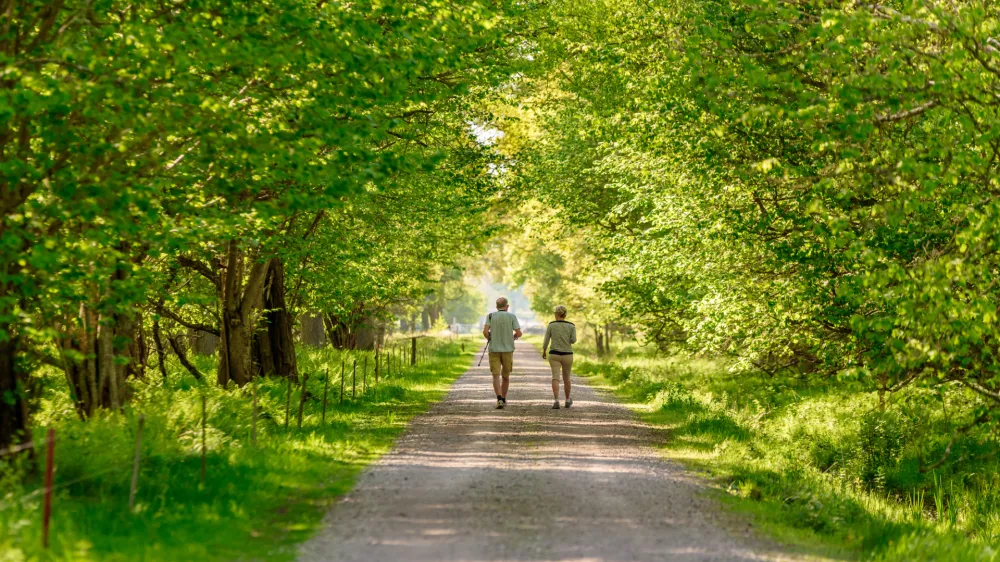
x=255 y=284
x=182 y=356
x=899 y=116
x=201 y=268
x=981 y=390
x=166 y=313
x=954 y=437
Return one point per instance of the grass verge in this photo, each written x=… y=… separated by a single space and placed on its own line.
x=818 y=466
x=256 y=502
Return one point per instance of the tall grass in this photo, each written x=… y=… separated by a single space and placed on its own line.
x=256 y=501
x=819 y=463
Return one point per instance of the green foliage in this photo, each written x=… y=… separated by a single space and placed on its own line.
x=817 y=464
x=225 y=168
x=257 y=501
x=930 y=547
x=807 y=189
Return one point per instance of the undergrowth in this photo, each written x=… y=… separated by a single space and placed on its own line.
x=819 y=464
x=255 y=503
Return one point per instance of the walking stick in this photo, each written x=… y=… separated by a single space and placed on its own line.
x=487 y=346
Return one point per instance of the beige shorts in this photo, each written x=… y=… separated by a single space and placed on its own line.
x=561 y=365
x=501 y=363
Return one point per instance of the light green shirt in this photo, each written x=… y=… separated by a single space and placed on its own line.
x=502 y=325
x=562 y=335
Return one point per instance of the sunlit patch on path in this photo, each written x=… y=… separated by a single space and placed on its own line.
x=469 y=483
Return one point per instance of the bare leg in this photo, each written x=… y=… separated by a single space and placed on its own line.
x=497 y=387
x=567 y=370
x=506 y=366
x=555 y=386
x=555 y=365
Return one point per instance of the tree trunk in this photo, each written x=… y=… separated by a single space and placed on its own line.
x=313 y=332
x=365 y=334
x=89 y=354
x=88 y=345
x=158 y=344
x=276 y=346
x=13 y=402
x=238 y=301
x=354 y=332
x=202 y=343
x=339 y=332
x=434 y=312
x=138 y=352
x=599 y=338
x=105 y=353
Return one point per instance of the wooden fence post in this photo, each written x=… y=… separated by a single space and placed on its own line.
x=288 y=401
x=376 y=366
x=354 y=380
x=341 y=380
x=364 y=377
x=47 y=501
x=326 y=387
x=302 y=397
x=135 y=462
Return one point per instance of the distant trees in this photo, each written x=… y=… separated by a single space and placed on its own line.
x=223 y=167
x=809 y=187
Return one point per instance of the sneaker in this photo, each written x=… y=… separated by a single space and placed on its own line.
x=500 y=404
x=555 y=405
x=569 y=402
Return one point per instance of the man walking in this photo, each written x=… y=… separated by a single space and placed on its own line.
x=500 y=331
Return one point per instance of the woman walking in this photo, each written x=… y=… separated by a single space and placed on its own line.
x=562 y=335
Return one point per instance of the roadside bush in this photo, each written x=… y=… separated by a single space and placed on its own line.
x=882 y=438
x=820 y=457
x=674 y=395
x=928 y=546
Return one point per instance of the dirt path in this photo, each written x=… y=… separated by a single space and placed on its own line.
x=470 y=483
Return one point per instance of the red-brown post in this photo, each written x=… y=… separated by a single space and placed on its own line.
x=47 y=502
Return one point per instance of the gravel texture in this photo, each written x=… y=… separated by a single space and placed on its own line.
x=471 y=483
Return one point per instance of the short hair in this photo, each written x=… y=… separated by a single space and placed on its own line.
x=502 y=302
x=560 y=311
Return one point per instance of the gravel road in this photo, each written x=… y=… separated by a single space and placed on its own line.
x=470 y=483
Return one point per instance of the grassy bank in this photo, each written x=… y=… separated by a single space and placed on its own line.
x=819 y=465
x=256 y=502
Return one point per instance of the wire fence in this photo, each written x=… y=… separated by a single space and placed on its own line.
x=362 y=370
